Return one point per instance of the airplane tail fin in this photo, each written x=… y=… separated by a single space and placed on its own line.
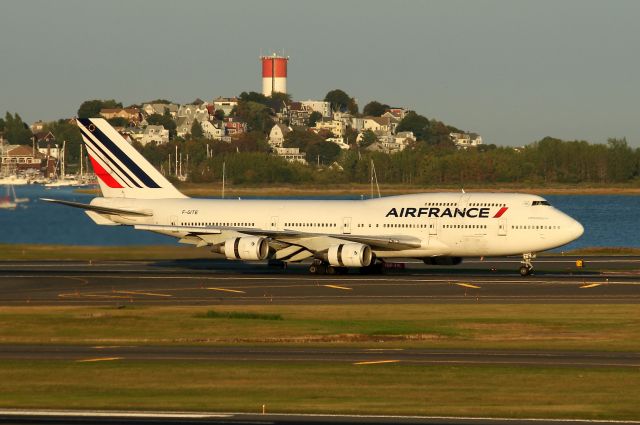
x=122 y=171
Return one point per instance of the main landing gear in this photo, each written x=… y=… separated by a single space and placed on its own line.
x=527 y=265
x=321 y=267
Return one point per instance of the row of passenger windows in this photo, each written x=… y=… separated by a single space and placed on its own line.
x=217 y=224
x=473 y=204
x=310 y=225
x=529 y=227
x=465 y=226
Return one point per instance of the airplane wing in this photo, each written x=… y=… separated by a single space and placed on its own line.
x=286 y=237
x=99 y=209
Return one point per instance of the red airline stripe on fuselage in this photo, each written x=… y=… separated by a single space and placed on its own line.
x=104 y=175
x=500 y=212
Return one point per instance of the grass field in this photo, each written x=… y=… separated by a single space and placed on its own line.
x=609 y=393
x=318 y=387
x=516 y=326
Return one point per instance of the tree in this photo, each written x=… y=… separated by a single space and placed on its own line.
x=416 y=123
x=256 y=115
x=15 y=130
x=368 y=138
x=91 y=108
x=219 y=114
x=66 y=131
x=314 y=118
x=253 y=96
x=118 y=122
x=278 y=100
x=301 y=138
x=164 y=120
x=340 y=101
x=196 y=130
x=375 y=109
x=326 y=152
x=1 y=124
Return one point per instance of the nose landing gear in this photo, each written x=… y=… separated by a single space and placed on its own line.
x=527 y=265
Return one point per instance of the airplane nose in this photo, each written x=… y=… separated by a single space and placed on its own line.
x=576 y=229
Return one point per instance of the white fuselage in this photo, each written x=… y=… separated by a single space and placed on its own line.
x=447 y=224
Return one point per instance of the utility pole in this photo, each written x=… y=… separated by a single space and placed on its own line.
x=223 y=175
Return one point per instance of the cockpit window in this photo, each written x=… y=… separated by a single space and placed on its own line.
x=534 y=203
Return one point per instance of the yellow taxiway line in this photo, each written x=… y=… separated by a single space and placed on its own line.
x=344 y=288
x=99 y=359
x=377 y=362
x=590 y=285
x=466 y=285
x=151 y=294
x=227 y=290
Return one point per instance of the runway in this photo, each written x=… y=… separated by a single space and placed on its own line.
x=355 y=356
x=90 y=417
x=210 y=282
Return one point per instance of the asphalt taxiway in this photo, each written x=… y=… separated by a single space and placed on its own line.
x=210 y=282
x=42 y=416
x=355 y=356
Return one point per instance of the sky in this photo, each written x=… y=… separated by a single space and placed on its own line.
x=512 y=71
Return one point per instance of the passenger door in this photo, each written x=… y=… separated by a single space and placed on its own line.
x=346 y=225
x=273 y=224
x=502 y=227
x=433 y=226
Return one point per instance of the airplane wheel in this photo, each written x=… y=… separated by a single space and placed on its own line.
x=313 y=269
x=331 y=270
x=525 y=271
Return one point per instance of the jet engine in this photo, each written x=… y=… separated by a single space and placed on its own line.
x=443 y=261
x=350 y=255
x=246 y=248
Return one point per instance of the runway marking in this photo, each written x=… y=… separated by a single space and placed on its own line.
x=345 y=288
x=78 y=295
x=466 y=285
x=376 y=362
x=99 y=359
x=590 y=285
x=227 y=290
x=385 y=349
x=103 y=347
x=151 y=294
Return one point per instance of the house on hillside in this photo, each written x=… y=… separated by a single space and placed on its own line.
x=466 y=140
x=277 y=135
x=299 y=114
x=214 y=131
x=225 y=104
x=320 y=106
x=336 y=127
x=291 y=154
x=154 y=133
x=132 y=115
x=159 y=108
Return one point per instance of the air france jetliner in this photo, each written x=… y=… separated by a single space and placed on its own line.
x=438 y=228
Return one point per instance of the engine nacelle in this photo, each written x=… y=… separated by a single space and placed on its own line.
x=246 y=248
x=350 y=255
x=443 y=261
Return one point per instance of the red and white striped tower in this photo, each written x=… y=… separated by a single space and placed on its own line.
x=274 y=74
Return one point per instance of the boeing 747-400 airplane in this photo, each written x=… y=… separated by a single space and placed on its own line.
x=438 y=228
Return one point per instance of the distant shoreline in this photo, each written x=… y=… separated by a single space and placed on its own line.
x=215 y=190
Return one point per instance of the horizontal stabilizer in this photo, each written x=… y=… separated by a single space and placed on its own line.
x=99 y=209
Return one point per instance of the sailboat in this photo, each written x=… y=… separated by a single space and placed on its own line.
x=10 y=201
x=62 y=180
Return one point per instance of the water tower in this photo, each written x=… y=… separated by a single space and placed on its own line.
x=274 y=74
